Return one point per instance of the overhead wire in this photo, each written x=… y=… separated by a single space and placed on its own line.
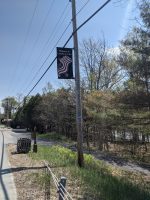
x=61 y=19
x=48 y=57
x=24 y=42
x=79 y=11
x=39 y=33
x=86 y=21
x=71 y=37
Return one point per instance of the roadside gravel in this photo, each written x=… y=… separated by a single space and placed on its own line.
x=23 y=169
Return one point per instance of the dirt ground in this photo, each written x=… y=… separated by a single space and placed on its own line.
x=28 y=174
x=25 y=171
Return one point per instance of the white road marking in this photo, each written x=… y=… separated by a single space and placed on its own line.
x=7 y=185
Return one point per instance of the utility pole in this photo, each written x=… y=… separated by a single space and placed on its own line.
x=7 y=110
x=78 y=91
x=35 y=140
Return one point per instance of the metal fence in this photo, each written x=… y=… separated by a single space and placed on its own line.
x=59 y=185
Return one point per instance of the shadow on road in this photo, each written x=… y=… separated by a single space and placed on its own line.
x=19 y=130
x=17 y=169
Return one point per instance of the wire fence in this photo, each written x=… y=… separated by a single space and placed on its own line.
x=58 y=186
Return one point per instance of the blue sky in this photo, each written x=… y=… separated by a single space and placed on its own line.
x=22 y=49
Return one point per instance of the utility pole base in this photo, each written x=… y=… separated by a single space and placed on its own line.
x=35 y=148
x=78 y=88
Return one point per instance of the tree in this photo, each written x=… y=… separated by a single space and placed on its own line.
x=56 y=112
x=48 y=88
x=9 y=104
x=100 y=69
x=99 y=118
x=24 y=115
x=135 y=52
x=134 y=99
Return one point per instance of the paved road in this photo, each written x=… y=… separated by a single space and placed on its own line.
x=7 y=186
x=108 y=159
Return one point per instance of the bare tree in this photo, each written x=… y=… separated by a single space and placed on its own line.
x=99 y=66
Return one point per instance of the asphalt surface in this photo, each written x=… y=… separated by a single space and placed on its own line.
x=7 y=185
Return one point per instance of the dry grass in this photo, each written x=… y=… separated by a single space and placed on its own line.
x=94 y=182
x=23 y=170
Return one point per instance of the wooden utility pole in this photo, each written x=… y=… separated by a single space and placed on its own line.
x=7 y=111
x=78 y=90
x=35 y=140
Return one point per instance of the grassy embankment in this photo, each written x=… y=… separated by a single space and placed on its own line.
x=52 y=136
x=120 y=150
x=96 y=180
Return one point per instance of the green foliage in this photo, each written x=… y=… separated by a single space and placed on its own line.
x=53 y=136
x=56 y=155
x=135 y=52
x=52 y=111
x=111 y=110
x=25 y=114
x=9 y=104
x=96 y=177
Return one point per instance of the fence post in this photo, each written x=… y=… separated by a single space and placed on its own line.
x=62 y=185
x=47 y=184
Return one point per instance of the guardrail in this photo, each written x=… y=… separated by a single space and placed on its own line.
x=60 y=185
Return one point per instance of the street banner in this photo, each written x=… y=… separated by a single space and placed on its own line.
x=64 y=63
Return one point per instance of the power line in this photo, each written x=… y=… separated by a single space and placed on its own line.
x=86 y=3
x=97 y=11
x=39 y=33
x=55 y=28
x=59 y=40
x=47 y=59
x=61 y=19
x=26 y=36
x=41 y=77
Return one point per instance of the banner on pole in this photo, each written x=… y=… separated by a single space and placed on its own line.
x=64 y=63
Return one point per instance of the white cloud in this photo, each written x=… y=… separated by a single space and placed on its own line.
x=114 y=51
x=125 y=21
